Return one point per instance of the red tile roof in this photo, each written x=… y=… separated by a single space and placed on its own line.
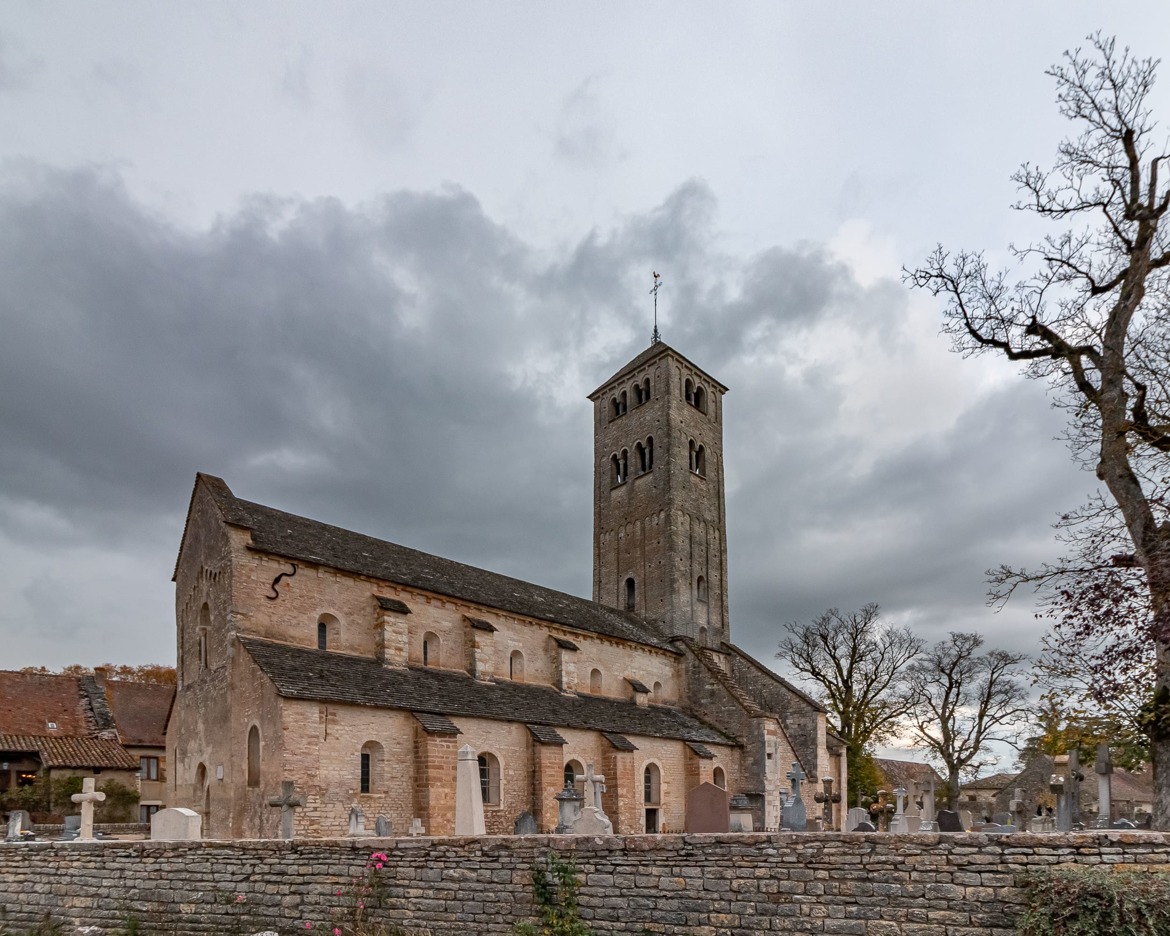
x=30 y=701
x=72 y=752
x=140 y=711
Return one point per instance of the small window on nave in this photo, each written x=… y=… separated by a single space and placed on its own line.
x=516 y=666
x=700 y=399
x=631 y=594
x=701 y=588
x=719 y=778
x=573 y=770
x=657 y=693
x=254 y=756
x=489 y=778
x=322 y=635
x=370 y=777
x=595 y=682
x=652 y=785
x=689 y=391
x=431 y=651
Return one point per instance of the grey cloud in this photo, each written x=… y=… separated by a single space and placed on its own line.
x=380 y=109
x=412 y=369
x=17 y=66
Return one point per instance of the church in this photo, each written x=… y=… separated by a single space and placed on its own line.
x=357 y=668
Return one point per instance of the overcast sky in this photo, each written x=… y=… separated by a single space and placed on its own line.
x=366 y=261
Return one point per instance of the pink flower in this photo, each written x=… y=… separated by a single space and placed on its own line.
x=239 y=898
x=361 y=905
x=378 y=866
x=308 y=925
x=336 y=931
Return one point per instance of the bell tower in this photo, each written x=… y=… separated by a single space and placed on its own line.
x=659 y=511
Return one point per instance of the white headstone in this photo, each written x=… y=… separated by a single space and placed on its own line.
x=176 y=825
x=18 y=821
x=468 y=794
x=416 y=826
x=87 y=797
x=357 y=821
x=855 y=817
x=898 y=822
x=592 y=820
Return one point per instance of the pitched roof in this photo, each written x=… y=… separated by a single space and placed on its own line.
x=140 y=710
x=903 y=772
x=656 y=349
x=30 y=701
x=72 y=752
x=300 y=673
x=292 y=537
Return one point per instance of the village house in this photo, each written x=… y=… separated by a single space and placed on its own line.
x=356 y=668
x=55 y=726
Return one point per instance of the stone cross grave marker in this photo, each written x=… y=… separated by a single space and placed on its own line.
x=1066 y=784
x=416 y=827
x=929 y=822
x=1104 y=770
x=87 y=797
x=898 y=822
x=793 y=815
x=357 y=821
x=287 y=802
x=594 y=782
x=1018 y=809
x=18 y=821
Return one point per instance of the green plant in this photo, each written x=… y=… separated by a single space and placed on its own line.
x=554 y=887
x=1092 y=901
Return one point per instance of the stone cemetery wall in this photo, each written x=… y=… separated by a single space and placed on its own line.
x=700 y=885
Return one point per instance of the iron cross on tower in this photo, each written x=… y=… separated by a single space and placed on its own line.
x=655 y=337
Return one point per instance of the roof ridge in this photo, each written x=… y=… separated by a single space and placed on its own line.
x=773 y=675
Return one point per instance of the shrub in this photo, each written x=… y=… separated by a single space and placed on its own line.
x=554 y=887
x=1092 y=901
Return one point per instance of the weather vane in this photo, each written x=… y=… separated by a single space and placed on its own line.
x=655 y=338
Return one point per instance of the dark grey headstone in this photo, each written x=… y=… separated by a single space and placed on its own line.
x=865 y=827
x=949 y=821
x=793 y=817
x=708 y=809
x=525 y=824
x=73 y=823
x=382 y=827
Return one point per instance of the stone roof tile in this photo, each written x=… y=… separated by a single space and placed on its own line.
x=292 y=537
x=436 y=724
x=546 y=735
x=393 y=604
x=620 y=742
x=301 y=673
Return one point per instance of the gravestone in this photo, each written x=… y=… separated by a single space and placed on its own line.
x=949 y=821
x=913 y=810
x=793 y=817
x=966 y=819
x=898 y=822
x=866 y=826
x=286 y=802
x=929 y=821
x=357 y=821
x=569 y=802
x=468 y=794
x=87 y=797
x=1066 y=784
x=855 y=817
x=525 y=824
x=740 y=814
x=416 y=827
x=593 y=820
x=708 y=809
x=1017 y=809
x=18 y=822
x=72 y=827
x=177 y=824
x=382 y=827
x=1104 y=770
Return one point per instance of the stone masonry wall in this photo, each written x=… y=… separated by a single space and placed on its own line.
x=699 y=885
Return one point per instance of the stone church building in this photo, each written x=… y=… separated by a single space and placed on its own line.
x=357 y=668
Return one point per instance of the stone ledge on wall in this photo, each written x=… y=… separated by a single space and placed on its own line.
x=700 y=885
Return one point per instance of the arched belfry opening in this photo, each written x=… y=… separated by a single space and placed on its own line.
x=659 y=505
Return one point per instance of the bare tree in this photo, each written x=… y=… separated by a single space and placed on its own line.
x=1089 y=313
x=855 y=665
x=961 y=700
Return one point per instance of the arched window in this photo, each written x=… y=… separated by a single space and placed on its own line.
x=624 y=402
x=204 y=627
x=703 y=635
x=698 y=459
x=595 y=682
x=650 y=453
x=652 y=785
x=573 y=770
x=657 y=694
x=327 y=631
x=631 y=594
x=371 y=766
x=646 y=390
x=431 y=650
x=200 y=777
x=701 y=588
x=640 y=458
x=615 y=408
x=719 y=778
x=638 y=401
x=689 y=391
x=700 y=399
x=489 y=778
x=516 y=666
x=624 y=460
x=253 y=756
x=322 y=635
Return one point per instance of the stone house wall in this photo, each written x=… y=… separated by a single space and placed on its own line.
x=697 y=885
